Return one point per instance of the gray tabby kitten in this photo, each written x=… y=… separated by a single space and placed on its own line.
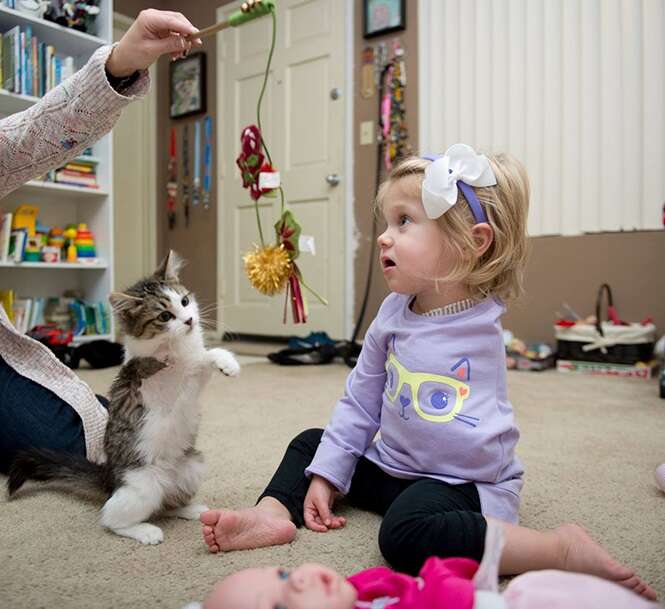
x=154 y=412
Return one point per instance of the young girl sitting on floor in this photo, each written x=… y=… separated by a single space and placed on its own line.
x=431 y=378
x=451 y=583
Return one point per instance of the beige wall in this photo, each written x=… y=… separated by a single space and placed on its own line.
x=570 y=269
x=561 y=268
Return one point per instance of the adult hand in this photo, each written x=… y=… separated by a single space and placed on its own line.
x=318 y=501
x=152 y=34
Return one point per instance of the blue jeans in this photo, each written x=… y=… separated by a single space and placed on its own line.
x=33 y=416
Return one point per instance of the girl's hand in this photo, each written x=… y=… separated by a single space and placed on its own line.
x=152 y=34
x=318 y=501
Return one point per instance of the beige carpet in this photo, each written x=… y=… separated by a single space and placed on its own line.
x=589 y=445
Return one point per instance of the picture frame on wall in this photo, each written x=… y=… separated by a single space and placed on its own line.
x=187 y=85
x=383 y=16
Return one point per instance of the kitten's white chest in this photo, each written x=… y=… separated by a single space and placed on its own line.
x=173 y=412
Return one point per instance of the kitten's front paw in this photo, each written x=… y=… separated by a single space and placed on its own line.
x=225 y=361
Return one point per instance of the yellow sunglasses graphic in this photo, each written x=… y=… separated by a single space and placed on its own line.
x=437 y=393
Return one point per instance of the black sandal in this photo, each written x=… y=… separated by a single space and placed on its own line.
x=304 y=356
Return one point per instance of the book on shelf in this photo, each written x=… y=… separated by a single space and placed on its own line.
x=65 y=313
x=31 y=67
x=5 y=235
x=7 y=303
x=79 y=172
x=17 y=241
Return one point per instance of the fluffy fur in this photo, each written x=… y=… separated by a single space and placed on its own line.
x=152 y=465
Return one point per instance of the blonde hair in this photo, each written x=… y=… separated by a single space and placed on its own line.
x=499 y=271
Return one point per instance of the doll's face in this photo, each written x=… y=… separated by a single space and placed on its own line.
x=307 y=587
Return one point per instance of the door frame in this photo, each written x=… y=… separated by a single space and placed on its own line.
x=149 y=195
x=350 y=226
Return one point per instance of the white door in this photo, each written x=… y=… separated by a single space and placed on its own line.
x=134 y=198
x=304 y=126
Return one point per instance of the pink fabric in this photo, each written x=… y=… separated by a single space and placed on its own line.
x=563 y=590
x=442 y=584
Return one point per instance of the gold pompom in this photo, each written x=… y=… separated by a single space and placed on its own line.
x=268 y=268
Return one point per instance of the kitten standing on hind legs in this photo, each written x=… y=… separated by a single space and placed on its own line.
x=152 y=465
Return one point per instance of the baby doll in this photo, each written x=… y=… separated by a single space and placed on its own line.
x=452 y=583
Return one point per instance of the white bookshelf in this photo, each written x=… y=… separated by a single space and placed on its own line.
x=61 y=204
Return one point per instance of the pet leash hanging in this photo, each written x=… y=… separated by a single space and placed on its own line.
x=196 y=185
x=185 y=172
x=207 y=161
x=398 y=134
x=172 y=183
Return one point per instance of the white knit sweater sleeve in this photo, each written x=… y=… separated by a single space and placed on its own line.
x=68 y=119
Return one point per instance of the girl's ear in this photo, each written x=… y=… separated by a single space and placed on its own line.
x=483 y=236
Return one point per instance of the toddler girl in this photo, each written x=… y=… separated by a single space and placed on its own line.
x=431 y=381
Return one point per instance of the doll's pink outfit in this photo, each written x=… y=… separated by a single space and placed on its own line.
x=442 y=584
x=461 y=583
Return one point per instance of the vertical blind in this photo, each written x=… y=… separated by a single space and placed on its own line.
x=573 y=88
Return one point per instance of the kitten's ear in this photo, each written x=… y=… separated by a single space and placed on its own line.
x=169 y=268
x=122 y=303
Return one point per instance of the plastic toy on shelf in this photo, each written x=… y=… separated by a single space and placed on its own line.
x=69 y=235
x=85 y=243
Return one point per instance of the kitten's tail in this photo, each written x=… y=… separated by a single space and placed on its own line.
x=73 y=470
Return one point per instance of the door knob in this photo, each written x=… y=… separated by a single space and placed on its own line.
x=333 y=179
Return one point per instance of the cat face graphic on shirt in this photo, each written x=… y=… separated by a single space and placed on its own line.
x=435 y=398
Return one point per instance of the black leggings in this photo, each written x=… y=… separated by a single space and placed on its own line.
x=421 y=518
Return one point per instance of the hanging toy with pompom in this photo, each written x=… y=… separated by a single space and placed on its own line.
x=271 y=268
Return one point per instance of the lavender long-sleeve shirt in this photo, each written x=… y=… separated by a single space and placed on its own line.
x=435 y=390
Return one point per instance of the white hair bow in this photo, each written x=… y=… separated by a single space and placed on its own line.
x=459 y=163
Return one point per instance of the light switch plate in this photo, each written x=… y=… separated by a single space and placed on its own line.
x=366 y=133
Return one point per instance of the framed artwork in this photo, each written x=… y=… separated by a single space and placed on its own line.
x=383 y=16
x=187 y=85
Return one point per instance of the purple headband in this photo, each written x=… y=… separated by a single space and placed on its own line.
x=469 y=194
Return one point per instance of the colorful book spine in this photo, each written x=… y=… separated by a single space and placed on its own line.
x=23 y=77
x=5 y=236
x=31 y=67
x=42 y=70
x=7 y=61
x=34 y=63
x=17 y=58
x=27 y=61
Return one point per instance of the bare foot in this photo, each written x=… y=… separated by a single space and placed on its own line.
x=225 y=530
x=582 y=554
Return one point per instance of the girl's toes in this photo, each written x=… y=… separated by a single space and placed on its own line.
x=209 y=518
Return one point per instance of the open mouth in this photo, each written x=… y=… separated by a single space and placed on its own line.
x=387 y=263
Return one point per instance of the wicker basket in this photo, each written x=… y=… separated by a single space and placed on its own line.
x=606 y=341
